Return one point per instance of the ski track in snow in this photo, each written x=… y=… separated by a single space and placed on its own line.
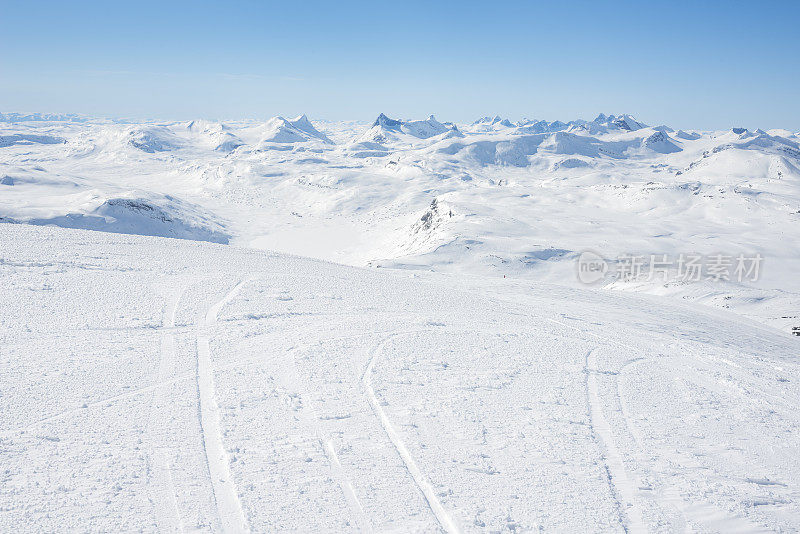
x=695 y=512
x=311 y=418
x=167 y=512
x=101 y=402
x=229 y=508
x=444 y=519
x=618 y=475
x=702 y=513
x=347 y=487
x=631 y=513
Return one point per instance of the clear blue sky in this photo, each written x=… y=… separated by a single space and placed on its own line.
x=688 y=64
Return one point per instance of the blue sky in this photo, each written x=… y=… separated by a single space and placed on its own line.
x=687 y=64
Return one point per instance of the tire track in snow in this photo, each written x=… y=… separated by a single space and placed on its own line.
x=444 y=519
x=229 y=508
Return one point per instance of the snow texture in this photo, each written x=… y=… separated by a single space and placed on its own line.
x=379 y=327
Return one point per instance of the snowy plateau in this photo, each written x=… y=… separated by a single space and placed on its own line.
x=380 y=327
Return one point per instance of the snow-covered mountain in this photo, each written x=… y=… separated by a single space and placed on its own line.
x=503 y=336
x=385 y=130
x=299 y=130
x=354 y=193
x=41 y=117
x=491 y=124
x=387 y=134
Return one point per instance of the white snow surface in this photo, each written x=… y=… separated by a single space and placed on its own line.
x=519 y=199
x=379 y=327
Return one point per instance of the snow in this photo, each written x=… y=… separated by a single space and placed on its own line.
x=385 y=130
x=158 y=384
x=280 y=130
x=351 y=193
x=661 y=142
x=22 y=139
x=41 y=117
x=379 y=327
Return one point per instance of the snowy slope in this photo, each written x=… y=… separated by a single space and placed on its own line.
x=157 y=384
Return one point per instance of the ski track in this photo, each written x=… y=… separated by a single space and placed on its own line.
x=104 y=401
x=347 y=487
x=703 y=513
x=163 y=495
x=311 y=418
x=444 y=519
x=620 y=482
x=621 y=485
x=229 y=508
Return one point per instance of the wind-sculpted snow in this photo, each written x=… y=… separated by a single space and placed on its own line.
x=355 y=193
x=161 y=385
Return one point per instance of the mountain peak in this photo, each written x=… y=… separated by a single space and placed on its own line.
x=386 y=122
